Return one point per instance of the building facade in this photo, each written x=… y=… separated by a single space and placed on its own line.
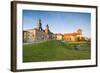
x=59 y=36
x=75 y=36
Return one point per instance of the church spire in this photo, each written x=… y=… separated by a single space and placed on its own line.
x=39 y=25
x=47 y=26
x=39 y=21
x=47 y=29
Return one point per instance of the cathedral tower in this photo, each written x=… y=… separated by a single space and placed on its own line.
x=47 y=29
x=40 y=25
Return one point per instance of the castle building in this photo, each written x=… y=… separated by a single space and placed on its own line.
x=75 y=36
x=37 y=34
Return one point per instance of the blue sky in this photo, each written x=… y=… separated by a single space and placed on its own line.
x=59 y=22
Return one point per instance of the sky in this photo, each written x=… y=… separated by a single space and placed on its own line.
x=59 y=22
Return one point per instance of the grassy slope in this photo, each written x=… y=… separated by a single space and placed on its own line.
x=54 y=50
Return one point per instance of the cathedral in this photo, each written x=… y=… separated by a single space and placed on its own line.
x=37 y=34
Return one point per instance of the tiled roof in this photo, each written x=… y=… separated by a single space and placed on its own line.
x=72 y=34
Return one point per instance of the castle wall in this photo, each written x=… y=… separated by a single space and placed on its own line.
x=35 y=36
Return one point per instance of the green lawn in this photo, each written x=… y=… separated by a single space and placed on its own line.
x=54 y=50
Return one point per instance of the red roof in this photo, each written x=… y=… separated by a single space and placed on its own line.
x=72 y=34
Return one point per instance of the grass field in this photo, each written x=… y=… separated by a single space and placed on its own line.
x=54 y=50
